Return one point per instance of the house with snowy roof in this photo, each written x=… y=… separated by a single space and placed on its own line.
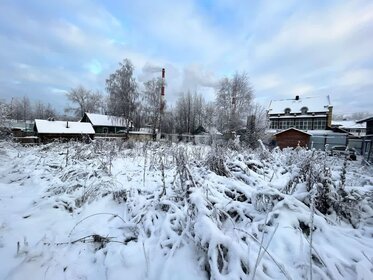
x=354 y=128
x=49 y=130
x=107 y=124
x=307 y=113
x=304 y=122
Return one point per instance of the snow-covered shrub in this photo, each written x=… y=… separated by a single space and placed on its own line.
x=251 y=218
x=216 y=161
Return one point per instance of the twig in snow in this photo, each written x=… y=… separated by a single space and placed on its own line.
x=111 y=214
x=280 y=267
x=260 y=254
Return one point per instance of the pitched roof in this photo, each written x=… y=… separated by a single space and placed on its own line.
x=59 y=127
x=365 y=120
x=292 y=128
x=348 y=124
x=314 y=104
x=105 y=120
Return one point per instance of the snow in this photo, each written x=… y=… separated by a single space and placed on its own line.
x=59 y=199
x=293 y=128
x=325 y=132
x=106 y=120
x=314 y=104
x=63 y=127
x=349 y=124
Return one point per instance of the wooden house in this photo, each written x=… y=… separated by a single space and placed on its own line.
x=105 y=124
x=292 y=138
x=49 y=130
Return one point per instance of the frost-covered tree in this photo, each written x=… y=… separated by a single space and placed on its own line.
x=233 y=100
x=42 y=111
x=21 y=108
x=189 y=112
x=255 y=126
x=122 y=88
x=83 y=100
x=151 y=102
x=4 y=112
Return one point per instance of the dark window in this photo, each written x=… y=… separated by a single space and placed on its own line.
x=304 y=110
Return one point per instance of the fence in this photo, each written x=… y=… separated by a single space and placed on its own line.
x=319 y=142
x=204 y=139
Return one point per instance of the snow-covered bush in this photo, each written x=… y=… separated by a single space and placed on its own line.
x=241 y=214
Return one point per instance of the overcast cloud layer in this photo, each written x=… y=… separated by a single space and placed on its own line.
x=287 y=47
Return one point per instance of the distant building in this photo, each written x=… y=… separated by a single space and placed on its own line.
x=48 y=130
x=308 y=113
x=356 y=129
x=367 y=149
x=107 y=124
x=369 y=124
x=304 y=122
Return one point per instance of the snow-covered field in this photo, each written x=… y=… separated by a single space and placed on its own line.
x=113 y=210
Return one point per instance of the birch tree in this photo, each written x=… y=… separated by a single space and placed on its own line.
x=151 y=102
x=123 y=94
x=233 y=99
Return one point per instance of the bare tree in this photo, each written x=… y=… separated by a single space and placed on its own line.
x=83 y=100
x=255 y=126
x=5 y=112
x=50 y=111
x=151 y=102
x=189 y=113
x=209 y=115
x=233 y=100
x=39 y=110
x=21 y=108
x=122 y=89
x=360 y=115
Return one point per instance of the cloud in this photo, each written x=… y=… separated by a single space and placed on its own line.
x=286 y=47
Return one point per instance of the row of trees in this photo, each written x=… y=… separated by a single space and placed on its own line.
x=141 y=104
x=229 y=112
x=22 y=109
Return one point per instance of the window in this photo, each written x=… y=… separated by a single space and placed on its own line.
x=105 y=130
x=319 y=124
x=304 y=110
x=287 y=111
x=274 y=124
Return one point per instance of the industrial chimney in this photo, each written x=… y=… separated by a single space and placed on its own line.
x=162 y=90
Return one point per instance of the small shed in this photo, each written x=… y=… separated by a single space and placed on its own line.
x=106 y=124
x=292 y=138
x=48 y=130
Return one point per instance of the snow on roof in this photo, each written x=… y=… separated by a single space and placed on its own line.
x=292 y=128
x=106 y=120
x=314 y=104
x=365 y=120
x=299 y=117
x=59 y=127
x=348 y=124
x=325 y=132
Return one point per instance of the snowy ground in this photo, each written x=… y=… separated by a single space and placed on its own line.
x=112 y=210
